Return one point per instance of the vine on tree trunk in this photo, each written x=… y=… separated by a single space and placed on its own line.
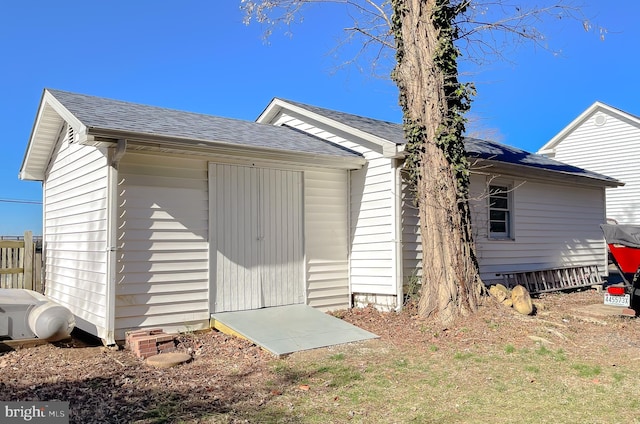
x=436 y=165
x=449 y=136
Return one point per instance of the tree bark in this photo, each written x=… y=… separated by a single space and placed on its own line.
x=451 y=285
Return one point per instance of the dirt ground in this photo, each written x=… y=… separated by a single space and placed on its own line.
x=228 y=375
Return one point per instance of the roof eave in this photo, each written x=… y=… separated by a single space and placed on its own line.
x=546 y=174
x=100 y=137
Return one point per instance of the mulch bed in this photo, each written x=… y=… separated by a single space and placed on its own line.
x=228 y=375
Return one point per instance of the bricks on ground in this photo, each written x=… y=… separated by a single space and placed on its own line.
x=149 y=342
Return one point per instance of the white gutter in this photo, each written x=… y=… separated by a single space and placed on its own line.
x=115 y=155
x=216 y=148
x=349 y=245
x=396 y=194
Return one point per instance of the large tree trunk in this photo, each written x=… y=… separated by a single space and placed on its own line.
x=450 y=280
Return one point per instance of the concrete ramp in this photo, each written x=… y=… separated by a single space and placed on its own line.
x=286 y=329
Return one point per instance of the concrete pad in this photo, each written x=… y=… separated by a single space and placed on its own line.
x=600 y=309
x=286 y=329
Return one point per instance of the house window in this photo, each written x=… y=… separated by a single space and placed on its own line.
x=500 y=212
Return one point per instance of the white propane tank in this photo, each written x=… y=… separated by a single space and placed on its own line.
x=51 y=321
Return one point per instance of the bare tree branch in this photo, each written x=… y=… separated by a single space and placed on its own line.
x=488 y=30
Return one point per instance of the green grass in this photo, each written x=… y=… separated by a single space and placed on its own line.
x=463 y=356
x=470 y=386
x=587 y=371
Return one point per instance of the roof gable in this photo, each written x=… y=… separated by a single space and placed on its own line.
x=549 y=147
x=50 y=120
x=388 y=135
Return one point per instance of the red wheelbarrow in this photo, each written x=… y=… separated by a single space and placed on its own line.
x=624 y=245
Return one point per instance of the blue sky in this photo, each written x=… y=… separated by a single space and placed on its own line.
x=197 y=55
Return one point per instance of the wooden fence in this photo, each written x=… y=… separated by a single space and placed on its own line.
x=21 y=263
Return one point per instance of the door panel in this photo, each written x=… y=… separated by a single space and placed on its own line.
x=257 y=246
x=281 y=237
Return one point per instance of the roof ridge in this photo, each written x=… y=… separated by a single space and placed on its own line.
x=132 y=103
x=309 y=106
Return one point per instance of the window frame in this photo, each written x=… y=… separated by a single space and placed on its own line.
x=503 y=190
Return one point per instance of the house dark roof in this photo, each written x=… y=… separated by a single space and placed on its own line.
x=491 y=150
x=98 y=113
x=476 y=148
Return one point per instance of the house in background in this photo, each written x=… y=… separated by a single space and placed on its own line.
x=160 y=218
x=606 y=140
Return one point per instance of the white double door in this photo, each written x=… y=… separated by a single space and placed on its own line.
x=257 y=237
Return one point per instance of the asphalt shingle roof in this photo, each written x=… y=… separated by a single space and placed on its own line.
x=391 y=131
x=476 y=148
x=114 y=115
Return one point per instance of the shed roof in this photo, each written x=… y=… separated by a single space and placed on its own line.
x=96 y=117
x=105 y=114
x=476 y=148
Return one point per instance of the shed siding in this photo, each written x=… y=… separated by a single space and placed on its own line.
x=75 y=236
x=163 y=252
x=611 y=149
x=371 y=213
x=326 y=238
x=411 y=241
x=554 y=226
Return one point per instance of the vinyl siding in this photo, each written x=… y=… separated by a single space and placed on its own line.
x=371 y=213
x=163 y=251
x=75 y=235
x=411 y=241
x=326 y=238
x=611 y=149
x=553 y=226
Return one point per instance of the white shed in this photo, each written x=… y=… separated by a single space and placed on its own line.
x=606 y=140
x=160 y=218
x=546 y=217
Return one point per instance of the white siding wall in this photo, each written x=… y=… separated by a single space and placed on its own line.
x=75 y=236
x=554 y=226
x=163 y=250
x=371 y=214
x=326 y=238
x=411 y=241
x=611 y=149
x=372 y=227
